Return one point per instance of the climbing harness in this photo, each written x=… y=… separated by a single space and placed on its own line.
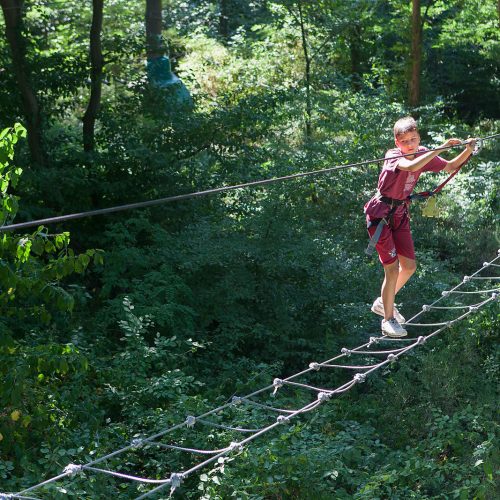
x=393 y=204
x=421 y=196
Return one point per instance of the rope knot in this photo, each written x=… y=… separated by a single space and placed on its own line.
x=345 y=351
x=421 y=340
x=359 y=378
x=282 y=419
x=235 y=446
x=392 y=358
x=373 y=340
x=277 y=383
x=494 y=296
x=449 y=324
x=426 y=308
x=486 y=264
x=137 y=443
x=323 y=396
x=236 y=400
x=190 y=421
x=175 y=480
x=473 y=308
x=466 y=279
x=72 y=469
x=314 y=366
x=445 y=293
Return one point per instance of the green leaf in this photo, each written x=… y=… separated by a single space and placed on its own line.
x=84 y=260
x=49 y=247
x=488 y=470
x=4 y=157
x=38 y=246
x=99 y=258
x=4 y=132
x=20 y=130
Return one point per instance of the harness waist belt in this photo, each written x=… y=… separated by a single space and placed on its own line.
x=392 y=201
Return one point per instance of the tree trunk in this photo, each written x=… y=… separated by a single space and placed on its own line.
x=96 y=62
x=154 y=43
x=355 y=49
x=416 y=54
x=307 y=71
x=12 y=11
x=224 y=19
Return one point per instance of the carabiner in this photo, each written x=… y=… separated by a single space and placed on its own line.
x=477 y=147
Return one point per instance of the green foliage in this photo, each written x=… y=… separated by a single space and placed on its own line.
x=9 y=175
x=34 y=307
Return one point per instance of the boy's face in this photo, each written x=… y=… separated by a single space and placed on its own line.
x=408 y=142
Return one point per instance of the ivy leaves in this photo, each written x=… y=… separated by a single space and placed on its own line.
x=9 y=175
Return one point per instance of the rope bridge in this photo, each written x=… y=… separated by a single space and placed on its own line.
x=475 y=292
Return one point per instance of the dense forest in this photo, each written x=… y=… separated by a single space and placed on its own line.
x=117 y=326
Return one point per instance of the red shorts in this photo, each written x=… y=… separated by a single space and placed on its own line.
x=394 y=240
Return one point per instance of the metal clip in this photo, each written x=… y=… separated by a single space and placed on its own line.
x=478 y=146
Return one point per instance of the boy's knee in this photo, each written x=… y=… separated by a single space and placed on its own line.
x=408 y=266
x=392 y=270
x=411 y=267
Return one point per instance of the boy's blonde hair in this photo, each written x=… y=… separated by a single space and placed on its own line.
x=404 y=125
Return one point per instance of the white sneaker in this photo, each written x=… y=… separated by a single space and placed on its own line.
x=392 y=328
x=378 y=308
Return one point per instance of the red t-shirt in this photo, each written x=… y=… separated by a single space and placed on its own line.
x=398 y=184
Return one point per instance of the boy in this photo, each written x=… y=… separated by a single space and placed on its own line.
x=395 y=184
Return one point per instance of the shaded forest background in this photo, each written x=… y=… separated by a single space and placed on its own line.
x=119 y=326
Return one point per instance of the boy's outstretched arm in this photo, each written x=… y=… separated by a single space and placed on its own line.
x=421 y=161
x=459 y=160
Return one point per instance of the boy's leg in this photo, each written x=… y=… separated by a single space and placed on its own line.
x=390 y=325
x=388 y=291
x=387 y=252
x=388 y=256
x=406 y=268
x=403 y=241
